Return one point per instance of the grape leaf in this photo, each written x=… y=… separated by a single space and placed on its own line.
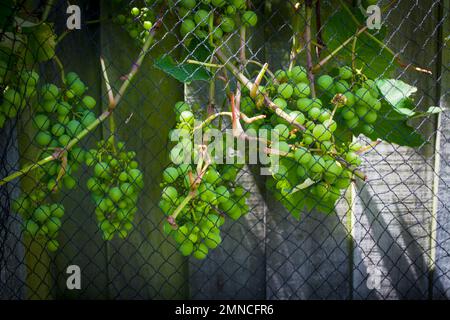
x=373 y=58
x=186 y=72
x=398 y=94
x=396 y=131
x=41 y=43
x=183 y=72
x=398 y=103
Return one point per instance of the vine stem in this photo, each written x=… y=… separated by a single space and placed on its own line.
x=48 y=7
x=249 y=85
x=309 y=63
x=113 y=103
x=278 y=111
x=171 y=219
x=381 y=44
x=295 y=35
x=60 y=66
x=205 y=64
x=336 y=51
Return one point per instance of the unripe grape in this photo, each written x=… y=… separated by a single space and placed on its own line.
x=304 y=104
x=341 y=86
x=50 y=106
x=147 y=25
x=58 y=129
x=49 y=91
x=298 y=74
x=187 y=116
x=250 y=18
x=285 y=90
x=212 y=176
x=41 y=122
x=281 y=76
x=115 y=194
x=330 y=124
x=227 y=24
x=280 y=102
x=324 y=115
x=218 y=3
x=187 y=27
x=353 y=158
x=317 y=164
x=314 y=113
x=321 y=133
x=202 y=250
x=325 y=82
x=170 y=193
x=31 y=227
x=43 y=138
x=345 y=72
x=170 y=174
x=135 y=11
x=302 y=156
x=298 y=117
x=372 y=87
x=282 y=130
x=77 y=87
x=350 y=98
x=201 y=17
x=89 y=102
x=301 y=90
x=73 y=128
x=370 y=117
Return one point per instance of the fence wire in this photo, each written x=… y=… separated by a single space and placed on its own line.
x=388 y=237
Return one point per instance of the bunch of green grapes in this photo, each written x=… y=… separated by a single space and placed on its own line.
x=215 y=194
x=200 y=18
x=360 y=98
x=40 y=219
x=115 y=187
x=314 y=155
x=61 y=115
x=136 y=20
x=15 y=95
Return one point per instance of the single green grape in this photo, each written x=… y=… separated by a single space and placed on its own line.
x=249 y=18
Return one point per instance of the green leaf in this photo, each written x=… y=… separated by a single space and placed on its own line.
x=395 y=91
x=183 y=72
x=396 y=131
x=397 y=94
x=22 y=23
x=41 y=43
x=431 y=110
x=198 y=50
x=370 y=56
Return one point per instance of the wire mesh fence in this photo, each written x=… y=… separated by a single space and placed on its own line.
x=346 y=197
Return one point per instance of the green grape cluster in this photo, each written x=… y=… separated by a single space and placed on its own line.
x=136 y=20
x=360 y=99
x=308 y=165
x=15 y=96
x=215 y=193
x=202 y=18
x=115 y=187
x=61 y=115
x=40 y=219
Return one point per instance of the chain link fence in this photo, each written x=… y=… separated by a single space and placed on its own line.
x=388 y=235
